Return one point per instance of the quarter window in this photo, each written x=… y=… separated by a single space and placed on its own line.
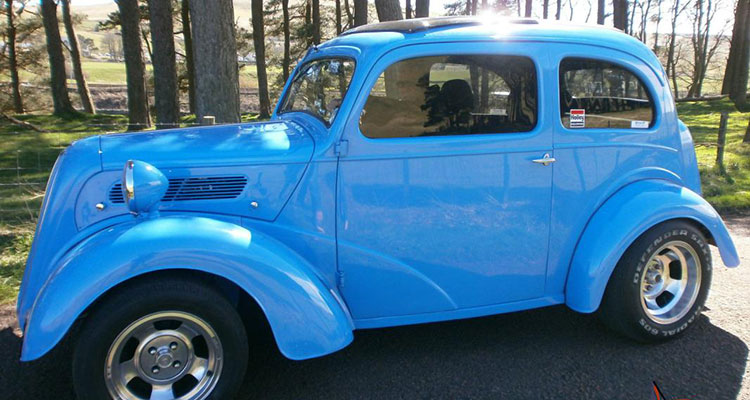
x=452 y=95
x=597 y=94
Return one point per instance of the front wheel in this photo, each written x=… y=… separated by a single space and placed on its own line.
x=161 y=339
x=660 y=284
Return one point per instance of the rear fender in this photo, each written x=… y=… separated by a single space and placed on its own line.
x=621 y=220
x=307 y=318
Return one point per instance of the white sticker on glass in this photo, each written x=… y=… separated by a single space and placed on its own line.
x=639 y=124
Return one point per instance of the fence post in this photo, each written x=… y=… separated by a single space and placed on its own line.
x=722 y=141
x=208 y=120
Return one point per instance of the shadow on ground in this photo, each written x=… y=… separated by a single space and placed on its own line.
x=547 y=353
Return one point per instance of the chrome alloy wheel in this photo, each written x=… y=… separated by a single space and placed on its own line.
x=671 y=282
x=164 y=355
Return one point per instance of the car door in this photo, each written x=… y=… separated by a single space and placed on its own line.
x=443 y=194
x=619 y=136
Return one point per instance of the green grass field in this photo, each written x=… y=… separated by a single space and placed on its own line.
x=730 y=191
x=26 y=157
x=113 y=73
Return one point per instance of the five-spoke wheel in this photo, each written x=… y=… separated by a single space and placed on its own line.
x=660 y=284
x=161 y=339
x=165 y=355
x=671 y=282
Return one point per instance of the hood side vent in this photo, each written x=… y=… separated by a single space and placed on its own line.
x=115 y=194
x=196 y=188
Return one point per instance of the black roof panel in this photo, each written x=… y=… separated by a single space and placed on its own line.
x=422 y=24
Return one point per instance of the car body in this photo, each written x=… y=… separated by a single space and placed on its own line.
x=329 y=230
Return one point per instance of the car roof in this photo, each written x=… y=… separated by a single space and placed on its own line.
x=386 y=35
x=422 y=24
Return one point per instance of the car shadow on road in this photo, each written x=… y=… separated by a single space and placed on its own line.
x=547 y=353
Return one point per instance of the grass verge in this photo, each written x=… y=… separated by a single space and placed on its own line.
x=729 y=191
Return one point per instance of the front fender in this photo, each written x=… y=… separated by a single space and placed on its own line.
x=621 y=220
x=307 y=319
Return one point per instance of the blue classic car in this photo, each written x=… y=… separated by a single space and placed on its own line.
x=413 y=171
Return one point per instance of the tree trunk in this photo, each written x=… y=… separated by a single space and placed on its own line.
x=189 y=65
x=408 y=9
x=422 y=9
x=545 y=9
x=286 y=62
x=260 y=57
x=316 y=21
x=620 y=14
x=58 y=77
x=360 y=12
x=527 y=9
x=572 y=9
x=349 y=16
x=672 y=43
x=166 y=96
x=702 y=52
x=217 y=87
x=629 y=21
x=138 y=110
x=742 y=67
x=388 y=10
x=308 y=24
x=75 y=60
x=15 y=81
x=738 y=47
x=658 y=23
x=338 y=17
x=558 y=9
x=600 y=11
x=746 y=138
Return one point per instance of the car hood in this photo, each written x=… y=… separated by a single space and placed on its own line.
x=272 y=142
x=211 y=169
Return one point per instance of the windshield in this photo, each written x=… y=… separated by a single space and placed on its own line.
x=319 y=87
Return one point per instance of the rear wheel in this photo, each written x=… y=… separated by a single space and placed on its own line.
x=660 y=285
x=161 y=339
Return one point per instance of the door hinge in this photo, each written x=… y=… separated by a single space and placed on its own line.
x=341 y=148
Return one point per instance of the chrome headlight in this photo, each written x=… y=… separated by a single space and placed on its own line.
x=143 y=186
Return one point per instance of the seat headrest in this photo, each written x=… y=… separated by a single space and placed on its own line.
x=457 y=95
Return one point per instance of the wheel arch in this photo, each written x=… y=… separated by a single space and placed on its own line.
x=307 y=318
x=624 y=217
x=244 y=303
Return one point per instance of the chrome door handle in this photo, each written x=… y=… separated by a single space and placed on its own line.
x=546 y=160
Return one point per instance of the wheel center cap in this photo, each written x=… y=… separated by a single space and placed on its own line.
x=164 y=360
x=164 y=356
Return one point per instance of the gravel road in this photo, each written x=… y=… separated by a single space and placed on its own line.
x=549 y=353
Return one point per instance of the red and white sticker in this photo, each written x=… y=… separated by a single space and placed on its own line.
x=577 y=118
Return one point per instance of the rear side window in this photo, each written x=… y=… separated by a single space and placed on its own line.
x=598 y=94
x=452 y=95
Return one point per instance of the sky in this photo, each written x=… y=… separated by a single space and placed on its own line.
x=724 y=14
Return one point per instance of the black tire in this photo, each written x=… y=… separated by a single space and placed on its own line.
x=622 y=309
x=152 y=295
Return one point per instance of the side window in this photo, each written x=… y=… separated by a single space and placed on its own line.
x=598 y=94
x=452 y=95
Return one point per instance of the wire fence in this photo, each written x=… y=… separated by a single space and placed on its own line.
x=26 y=160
